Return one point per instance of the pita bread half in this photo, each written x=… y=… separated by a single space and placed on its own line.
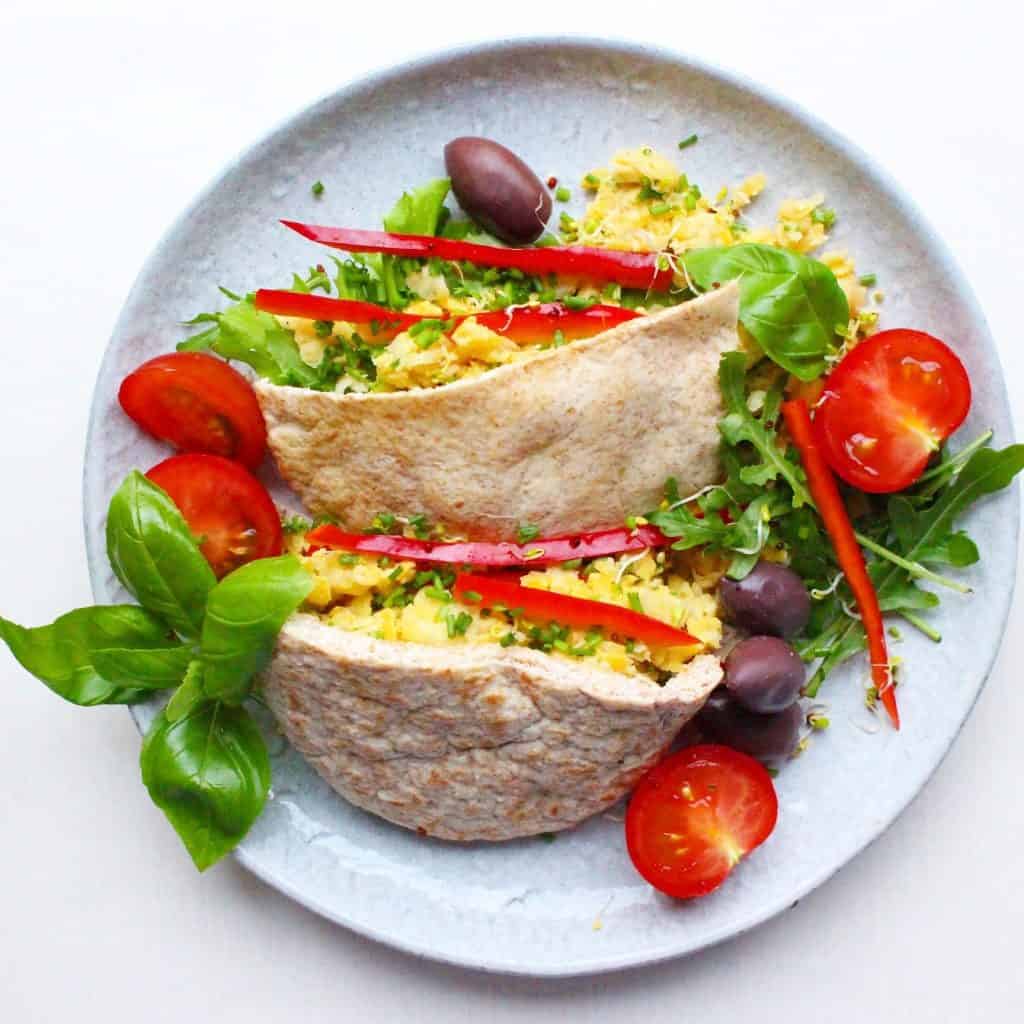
x=471 y=741
x=574 y=440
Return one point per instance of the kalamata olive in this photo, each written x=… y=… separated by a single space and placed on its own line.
x=764 y=674
x=769 y=599
x=767 y=737
x=497 y=189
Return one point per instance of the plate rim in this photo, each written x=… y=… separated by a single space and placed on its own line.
x=881 y=179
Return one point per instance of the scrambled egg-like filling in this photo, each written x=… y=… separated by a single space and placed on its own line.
x=642 y=202
x=401 y=601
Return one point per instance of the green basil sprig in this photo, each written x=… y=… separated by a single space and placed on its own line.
x=791 y=304
x=153 y=553
x=245 y=612
x=204 y=761
x=209 y=772
x=117 y=654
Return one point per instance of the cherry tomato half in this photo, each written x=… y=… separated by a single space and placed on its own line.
x=888 y=406
x=225 y=506
x=695 y=815
x=197 y=403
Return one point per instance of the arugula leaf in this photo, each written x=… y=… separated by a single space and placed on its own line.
x=952 y=548
x=790 y=303
x=209 y=772
x=740 y=424
x=245 y=612
x=155 y=556
x=115 y=654
x=244 y=333
x=918 y=532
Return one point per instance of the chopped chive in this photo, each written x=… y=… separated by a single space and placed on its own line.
x=562 y=194
x=824 y=216
x=634 y=602
x=868 y=280
x=507 y=640
x=457 y=624
x=591 y=181
x=660 y=208
x=323 y=328
x=318 y=188
x=527 y=532
x=348 y=560
x=471 y=595
x=558 y=340
x=688 y=141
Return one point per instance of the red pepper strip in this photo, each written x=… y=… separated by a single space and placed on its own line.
x=382 y=322
x=524 y=324
x=545 y=606
x=533 y=324
x=630 y=269
x=496 y=556
x=826 y=496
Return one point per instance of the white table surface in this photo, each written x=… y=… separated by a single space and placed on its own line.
x=108 y=128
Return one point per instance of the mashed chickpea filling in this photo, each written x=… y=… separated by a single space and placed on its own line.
x=641 y=202
x=401 y=601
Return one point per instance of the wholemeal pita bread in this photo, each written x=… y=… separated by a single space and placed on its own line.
x=573 y=440
x=471 y=741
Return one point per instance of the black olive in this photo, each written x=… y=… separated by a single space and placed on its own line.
x=497 y=189
x=769 y=599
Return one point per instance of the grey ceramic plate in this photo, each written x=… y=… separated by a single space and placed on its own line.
x=574 y=905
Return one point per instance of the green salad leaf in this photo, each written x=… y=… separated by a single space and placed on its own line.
x=155 y=556
x=917 y=532
x=209 y=773
x=791 y=304
x=419 y=212
x=115 y=654
x=244 y=333
x=245 y=612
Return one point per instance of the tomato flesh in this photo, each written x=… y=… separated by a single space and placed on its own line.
x=225 y=506
x=197 y=403
x=695 y=815
x=888 y=406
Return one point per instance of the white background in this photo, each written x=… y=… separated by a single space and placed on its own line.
x=108 y=126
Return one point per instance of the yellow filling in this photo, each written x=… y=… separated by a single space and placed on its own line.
x=400 y=601
x=642 y=202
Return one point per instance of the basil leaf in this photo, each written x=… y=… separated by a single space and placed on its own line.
x=189 y=695
x=154 y=669
x=245 y=612
x=251 y=336
x=153 y=553
x=209 y=772
x=790 y=303
x=86 y=655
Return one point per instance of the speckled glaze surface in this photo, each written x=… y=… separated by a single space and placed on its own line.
x=574 y=905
